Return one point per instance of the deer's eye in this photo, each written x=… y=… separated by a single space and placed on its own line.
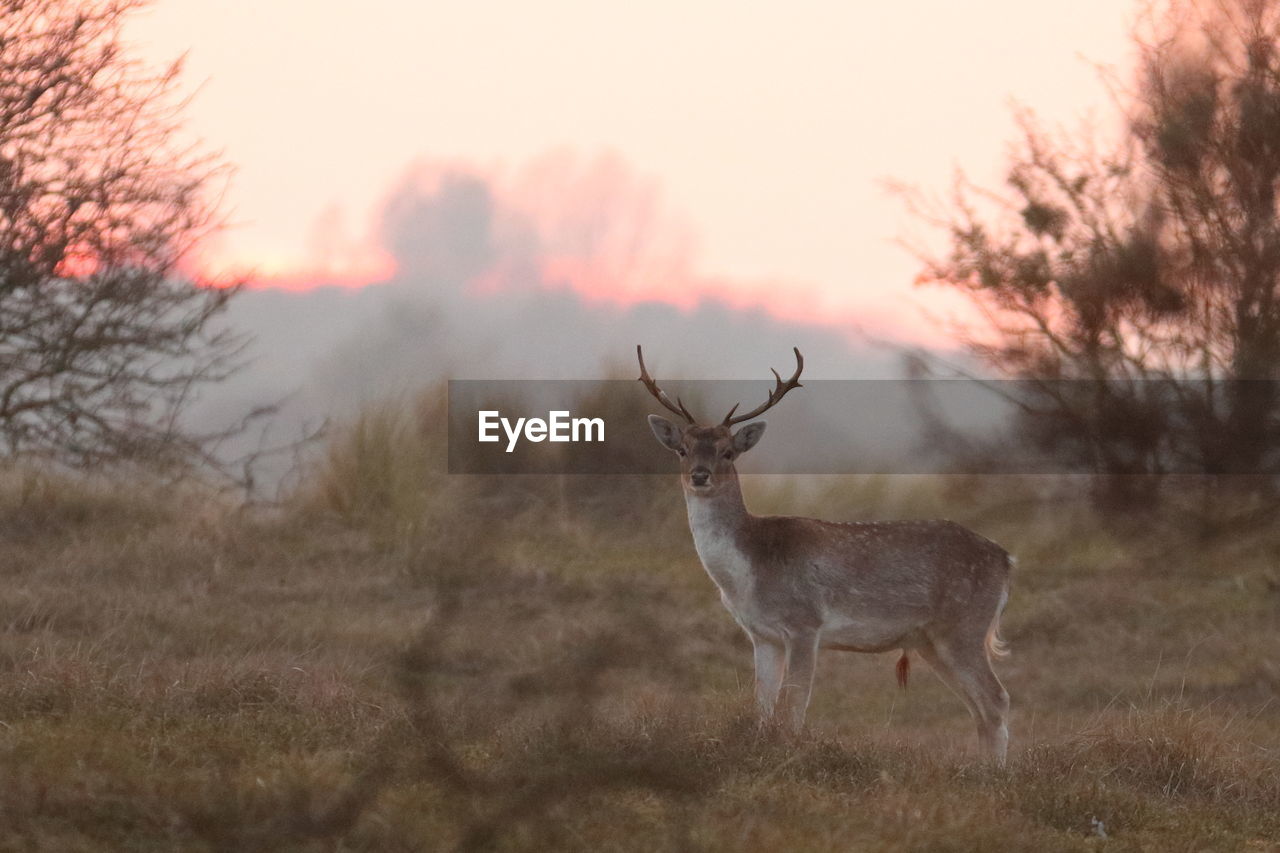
x=681 y=452
x=728 y=454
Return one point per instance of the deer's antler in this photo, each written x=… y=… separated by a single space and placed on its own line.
x=779 y=391
x=677 y=407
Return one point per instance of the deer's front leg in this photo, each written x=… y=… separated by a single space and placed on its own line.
x=771 y=663
x=802 y=660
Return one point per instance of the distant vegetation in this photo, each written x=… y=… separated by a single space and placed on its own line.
x=1146 y=262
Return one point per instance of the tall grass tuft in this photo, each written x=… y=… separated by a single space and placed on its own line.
x=379 y=472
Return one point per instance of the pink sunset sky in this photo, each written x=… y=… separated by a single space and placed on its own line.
x=757 y=137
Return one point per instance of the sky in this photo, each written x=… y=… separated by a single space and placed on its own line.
x=750 y=141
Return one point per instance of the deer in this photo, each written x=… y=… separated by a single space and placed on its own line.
x=797 y=585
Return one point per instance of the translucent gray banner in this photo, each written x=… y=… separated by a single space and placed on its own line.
x=878 y=427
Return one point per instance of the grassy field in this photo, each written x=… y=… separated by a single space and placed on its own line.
x=398 y=660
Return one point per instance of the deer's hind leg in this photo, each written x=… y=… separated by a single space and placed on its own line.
x=964 y=666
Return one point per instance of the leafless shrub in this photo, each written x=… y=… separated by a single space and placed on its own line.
x=103 y=337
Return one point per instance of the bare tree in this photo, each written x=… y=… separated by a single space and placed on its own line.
x=103 y=338
x=1148 y=266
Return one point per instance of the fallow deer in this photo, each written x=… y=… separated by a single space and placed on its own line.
x=797 y=585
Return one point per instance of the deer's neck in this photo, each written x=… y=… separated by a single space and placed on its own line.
x=718 y=522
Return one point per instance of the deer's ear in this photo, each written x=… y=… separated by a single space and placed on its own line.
x=746 y=438
x=668 y=433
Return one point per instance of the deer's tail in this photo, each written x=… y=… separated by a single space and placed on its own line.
x=904 y=670
x=996 y=647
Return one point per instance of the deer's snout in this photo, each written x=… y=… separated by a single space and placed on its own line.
x=700 y=476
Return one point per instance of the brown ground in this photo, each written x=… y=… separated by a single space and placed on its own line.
x=397 y=660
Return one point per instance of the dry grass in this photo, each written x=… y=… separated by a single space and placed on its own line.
x=406 y=661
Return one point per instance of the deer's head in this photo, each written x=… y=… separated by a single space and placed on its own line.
x=707 y=453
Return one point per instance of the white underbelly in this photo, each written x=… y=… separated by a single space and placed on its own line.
x=865 y=633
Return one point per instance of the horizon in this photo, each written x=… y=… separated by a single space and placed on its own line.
x=749 y=170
